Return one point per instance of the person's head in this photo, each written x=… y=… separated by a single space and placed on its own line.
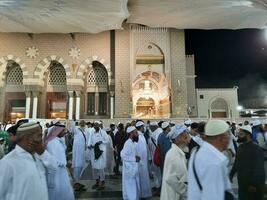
x=47 y=125
x=29 y=135
x=12 y=133
x=132 y=132
x=153 y=126
x=82 y=124
x=112 y=126
x=140 y=126
x=120 y=126
x=101 y=124
x=264 y=123
x=166 y=127
x=201 y=129
x=217 y=133
x=89 y=125
x=179 y=135
x=194 y=128
x=97 y=126
x=244 y=134
x=188 y=122
x=246 y=122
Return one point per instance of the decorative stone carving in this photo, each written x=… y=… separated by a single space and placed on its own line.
x=32 y=52
x=74 y=52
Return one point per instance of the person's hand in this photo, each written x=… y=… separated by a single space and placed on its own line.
x=252 y=189
x=39 y=147
x=137 y=158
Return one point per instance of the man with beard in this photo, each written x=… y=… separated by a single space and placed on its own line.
x=130 y=177
x=120 y=139
x=23 y=171
x=142 y=152
x=97 y=142
x=249 y=166
x=174 y=178
x=79 y=150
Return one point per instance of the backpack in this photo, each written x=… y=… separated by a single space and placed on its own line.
x=156 y=156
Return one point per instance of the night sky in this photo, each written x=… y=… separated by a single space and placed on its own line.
x=225 y=58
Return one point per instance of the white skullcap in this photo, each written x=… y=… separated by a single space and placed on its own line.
x=188 y=122
x=154 y=123
x=246 y=128
x=26 y=128
x=2 y=139
x=256 y=123
x=165 y=125
x=130 y=129
x=139 y=123
x=176 y=131
x=172 y=122
x=216 y=127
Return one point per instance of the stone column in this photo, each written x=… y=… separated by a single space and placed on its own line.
x=96 y=103
x=70 y=104
x=112 y=104
x=35 y=105
x=78 y=99
x=28 y=104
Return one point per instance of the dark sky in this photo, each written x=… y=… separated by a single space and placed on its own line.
x=225 y=58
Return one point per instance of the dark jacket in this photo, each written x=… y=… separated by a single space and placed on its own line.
x=249 y=165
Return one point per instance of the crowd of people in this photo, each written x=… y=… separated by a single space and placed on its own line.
x=176 y=161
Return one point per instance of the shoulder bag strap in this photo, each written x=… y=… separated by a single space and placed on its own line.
x=195 y=172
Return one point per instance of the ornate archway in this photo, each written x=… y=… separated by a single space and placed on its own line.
x=219 y=108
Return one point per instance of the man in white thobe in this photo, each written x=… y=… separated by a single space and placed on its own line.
x=175 y=166
x=142 y=152
x=98 y=141
x=79 y=150
x=210 y=164
x=23 y=171
x=58 y=182
x=2 y=148
x=152 y=144
x=130 y=159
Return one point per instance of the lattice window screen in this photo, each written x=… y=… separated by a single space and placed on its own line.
x=15 y=76
x=57 y=75
x=97 y=76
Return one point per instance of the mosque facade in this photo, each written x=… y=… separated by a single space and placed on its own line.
x=136 y=72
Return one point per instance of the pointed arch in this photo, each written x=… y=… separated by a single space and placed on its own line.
x=45 y=63
x=3 y=64
x=87 y=64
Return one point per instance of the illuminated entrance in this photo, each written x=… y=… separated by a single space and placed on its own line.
x=151 y=98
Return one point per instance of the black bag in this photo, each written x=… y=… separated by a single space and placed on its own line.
x=97 y=151
x=227 y=195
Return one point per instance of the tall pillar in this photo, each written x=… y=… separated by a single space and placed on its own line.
x=78 y=99
x=96 y=103
x=111 y=104
x=70 y=104
x=35 y=105
x=28 y=104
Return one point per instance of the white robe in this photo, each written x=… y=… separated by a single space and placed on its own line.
x=2 y=151
x=211 y=168
x=174 y=175
x=142 y=151
x=110 y=157
x=79 y=148
x=23 y=175
x=130 y=177
x=95 y=137
x=58 y=182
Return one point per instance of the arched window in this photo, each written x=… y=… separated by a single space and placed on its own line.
x=219 y=108
x=97 y=100
x=98 y=76
x=14 y=74
x=57 y=74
